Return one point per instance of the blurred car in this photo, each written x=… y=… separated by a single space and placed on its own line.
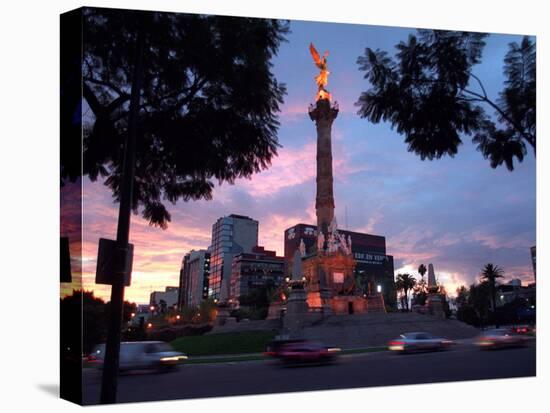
x=301 y=351
x=410 y=342
x=141 y=355
x=500 y=338
x=524 y=329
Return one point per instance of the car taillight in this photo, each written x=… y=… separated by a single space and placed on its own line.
x=396 y=343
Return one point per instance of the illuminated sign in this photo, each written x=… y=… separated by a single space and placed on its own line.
x=338 y=277
x=375 y=259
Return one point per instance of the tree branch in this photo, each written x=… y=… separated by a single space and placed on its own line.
x=192 y=92
x=528 y=137
x=116 y=89
x=480 y=84
x=93 y=102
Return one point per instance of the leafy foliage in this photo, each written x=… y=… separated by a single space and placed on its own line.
x=490 y=273
x=208 y=102
x=422 y=270
x=83 y=309
x=430 y=94
x=405 y=283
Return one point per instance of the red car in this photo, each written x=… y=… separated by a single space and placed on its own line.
x=500 y=338
x=302 y=351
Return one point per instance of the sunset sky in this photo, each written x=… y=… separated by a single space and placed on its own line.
x=456 y=213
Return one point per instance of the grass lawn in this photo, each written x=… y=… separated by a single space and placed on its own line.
x=225 y=343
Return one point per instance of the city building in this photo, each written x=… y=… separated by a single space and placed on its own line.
x=374 y=268
x=514 y=290
x=168 y=297
x=194 y=278
x=231 y=235
x=255 y=270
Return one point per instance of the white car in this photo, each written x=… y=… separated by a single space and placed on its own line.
x=141 y=355
x=410 y=342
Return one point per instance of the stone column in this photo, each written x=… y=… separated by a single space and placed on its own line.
x=323 y=114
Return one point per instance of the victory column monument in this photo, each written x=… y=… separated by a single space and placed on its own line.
x=327 y=268
x=322 y=289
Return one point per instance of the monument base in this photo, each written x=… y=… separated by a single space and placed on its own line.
x=296 y=310
x=434 y=304
x=223 y=315
x=276 y=310
x=375 y=303
x=343 y=304
x=331 y=284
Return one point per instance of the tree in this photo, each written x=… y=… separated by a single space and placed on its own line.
x=461 y=296
x=479 y=298
x=176 y=101
x=83 y=318
x=422 y=270
x=490 y=273
x=206 y=106
x=405 y=283
x=421 y=288
x=430 y=94
x=82 y=307
x=162 y=306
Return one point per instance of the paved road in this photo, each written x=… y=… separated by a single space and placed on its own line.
x=372 y=369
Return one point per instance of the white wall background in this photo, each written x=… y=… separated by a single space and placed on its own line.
x=29 y=201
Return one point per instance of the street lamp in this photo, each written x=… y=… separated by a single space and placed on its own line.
x=379 y=288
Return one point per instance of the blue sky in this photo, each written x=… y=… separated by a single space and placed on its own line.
x=456 y=213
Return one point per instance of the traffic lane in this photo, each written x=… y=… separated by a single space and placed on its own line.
x=364 y=370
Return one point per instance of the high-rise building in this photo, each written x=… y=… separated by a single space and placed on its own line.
x=231 y=235
x=194 y=278
x=249 y=271
x=167 y=298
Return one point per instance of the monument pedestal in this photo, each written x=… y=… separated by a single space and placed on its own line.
x=434 y=303
x=296 y=310
x=348 y=304
x=223 y=315
x=375 y=303
x=331 y=284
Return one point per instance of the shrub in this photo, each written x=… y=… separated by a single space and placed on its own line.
x=171 y=333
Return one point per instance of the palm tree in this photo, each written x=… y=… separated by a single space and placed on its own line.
x=405 y=282
x=422 y=270
x=490 y=273
x=421 y=286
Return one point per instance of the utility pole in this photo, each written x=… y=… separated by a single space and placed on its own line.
x=109 y=380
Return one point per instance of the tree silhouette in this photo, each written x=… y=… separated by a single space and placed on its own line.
x=430 y=94
x=479 y=298
x=490 y=273
x=206 y=106
x=422 y=270
x=405 y=283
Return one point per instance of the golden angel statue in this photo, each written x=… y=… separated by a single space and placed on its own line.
x=322 y=78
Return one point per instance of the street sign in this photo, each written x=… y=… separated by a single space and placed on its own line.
x=65 y=261
x=113 y=261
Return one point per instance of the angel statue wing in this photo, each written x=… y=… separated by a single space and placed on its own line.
x=315 y=55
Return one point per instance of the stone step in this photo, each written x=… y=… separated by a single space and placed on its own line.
x=375 y=303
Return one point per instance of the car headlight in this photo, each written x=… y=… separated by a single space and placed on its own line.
x=334 y=349
x=173 y=358
x=398 y=347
